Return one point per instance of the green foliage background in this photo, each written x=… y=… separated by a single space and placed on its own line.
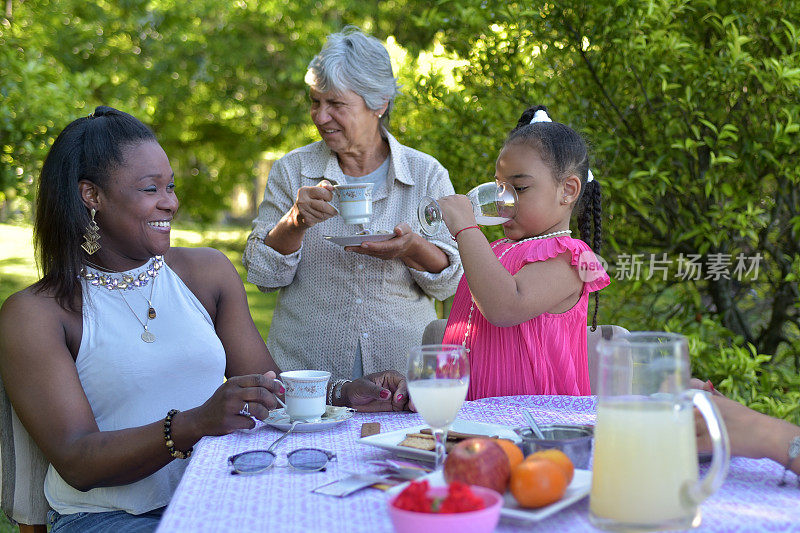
x=691 y=109
x=693 y=114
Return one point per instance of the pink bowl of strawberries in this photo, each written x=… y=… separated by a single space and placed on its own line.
x=457 y=507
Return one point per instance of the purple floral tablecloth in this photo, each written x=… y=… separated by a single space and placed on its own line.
x=209 y=498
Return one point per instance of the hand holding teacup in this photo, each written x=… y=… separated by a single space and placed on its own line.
x=223 y=412
x=312 y=205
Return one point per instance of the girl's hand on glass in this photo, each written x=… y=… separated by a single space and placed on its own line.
x=457 y=212
x=491 y=203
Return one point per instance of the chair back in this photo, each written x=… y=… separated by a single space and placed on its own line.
x=607 y=332
x=23 y=469
x=434 y=331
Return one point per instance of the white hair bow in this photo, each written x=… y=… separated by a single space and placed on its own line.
x=541 y=116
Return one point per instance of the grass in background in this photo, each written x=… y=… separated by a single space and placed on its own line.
x=6 y=527
x=18 y=268
x=231 y=241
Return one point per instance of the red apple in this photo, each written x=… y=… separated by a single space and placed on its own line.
x=478 y=461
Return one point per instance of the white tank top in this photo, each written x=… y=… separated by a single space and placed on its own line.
x=131 y=383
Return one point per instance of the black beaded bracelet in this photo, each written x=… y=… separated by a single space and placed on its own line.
x=177 y=454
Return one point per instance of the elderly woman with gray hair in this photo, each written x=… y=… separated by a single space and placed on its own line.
x=356 y=309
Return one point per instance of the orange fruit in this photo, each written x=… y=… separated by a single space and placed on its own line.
x=558 y=457
x=537 y=483
x=513 y=452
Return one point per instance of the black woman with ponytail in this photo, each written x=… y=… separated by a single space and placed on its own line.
x=521 y=309
x=127 y=351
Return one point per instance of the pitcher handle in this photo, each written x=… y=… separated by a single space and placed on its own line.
x=720 y=447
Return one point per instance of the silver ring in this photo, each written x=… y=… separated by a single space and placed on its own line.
x=245 y=410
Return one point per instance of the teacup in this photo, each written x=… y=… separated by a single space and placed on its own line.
x=355 y=202
x=305 y=393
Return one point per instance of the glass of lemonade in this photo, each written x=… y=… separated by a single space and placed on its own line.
x=645 y=473
x=492 y=203
x=438 y=377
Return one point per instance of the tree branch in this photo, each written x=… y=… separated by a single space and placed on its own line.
x=727 y=309
x=597 y=81
x=772 y=335
x=642 y=87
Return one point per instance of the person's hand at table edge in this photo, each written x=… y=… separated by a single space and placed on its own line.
x=752 y=434
x=381 y=391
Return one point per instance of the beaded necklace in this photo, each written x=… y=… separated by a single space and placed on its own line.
x=504 y=252
x=126 y=282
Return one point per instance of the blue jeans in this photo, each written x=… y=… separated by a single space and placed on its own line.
x=116 y=521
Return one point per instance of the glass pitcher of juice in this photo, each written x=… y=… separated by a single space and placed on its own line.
x=645 y=466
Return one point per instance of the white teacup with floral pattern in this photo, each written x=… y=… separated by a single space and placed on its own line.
x=306 y=391
x=355 y=202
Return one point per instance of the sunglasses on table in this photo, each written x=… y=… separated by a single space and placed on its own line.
x=257 y=461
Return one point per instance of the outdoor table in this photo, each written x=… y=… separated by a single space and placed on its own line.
x=209 y=498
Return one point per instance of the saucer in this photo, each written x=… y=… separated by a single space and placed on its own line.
x=333 y=415
x=356 y=240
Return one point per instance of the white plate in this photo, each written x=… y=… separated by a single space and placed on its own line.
x=356 y=240
x=389 y=441
x=577 y=490
x=333 y=415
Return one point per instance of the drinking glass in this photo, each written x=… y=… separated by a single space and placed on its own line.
x=492 y=203
x=438 y=377
x=645 y=471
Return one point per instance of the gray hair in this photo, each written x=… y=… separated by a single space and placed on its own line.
x=352 y=60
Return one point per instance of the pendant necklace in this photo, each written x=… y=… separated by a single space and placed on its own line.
x=128 y=282
x=147 y=335
x=503 y=253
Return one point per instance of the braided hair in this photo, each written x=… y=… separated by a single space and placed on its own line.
x=86 y=149
x=564 y=151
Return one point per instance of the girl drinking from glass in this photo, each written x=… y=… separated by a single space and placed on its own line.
x=521 y=307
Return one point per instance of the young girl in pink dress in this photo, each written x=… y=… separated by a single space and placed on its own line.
x=521 y=307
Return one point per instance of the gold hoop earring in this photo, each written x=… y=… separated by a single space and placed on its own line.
x=91 y=236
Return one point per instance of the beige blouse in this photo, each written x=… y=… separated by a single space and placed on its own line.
x=329 y=299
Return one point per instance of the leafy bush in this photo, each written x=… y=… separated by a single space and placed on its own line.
x=693 y=115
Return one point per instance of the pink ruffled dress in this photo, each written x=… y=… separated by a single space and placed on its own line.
x=546 y=354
